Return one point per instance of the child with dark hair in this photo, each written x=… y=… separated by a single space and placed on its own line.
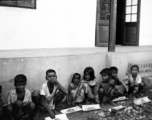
x=50 y=94
x=118 y=84
x=114 y=74
x=19 y=99
x=2 y=103
x=88 y=88
x=135 y=84
x=73 y=88
x=107 y=90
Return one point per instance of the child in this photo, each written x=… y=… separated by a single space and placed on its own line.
x=1 y=102
x=51 y=93
x=118 y=84
x=19 y=99
x=88 y=87
x=114 y=74
x=134 y=81
x=107 y=90
x=73 y=88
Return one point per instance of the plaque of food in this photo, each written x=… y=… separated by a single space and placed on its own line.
x=90 y=107
x=71 y=110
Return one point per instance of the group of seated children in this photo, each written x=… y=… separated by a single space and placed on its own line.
x=22 y=104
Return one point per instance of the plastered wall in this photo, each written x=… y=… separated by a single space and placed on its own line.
x=65 y=65
x=121 y=60
x=145 y=36
x=35 y=67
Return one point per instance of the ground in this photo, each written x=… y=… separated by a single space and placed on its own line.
x=132 y=112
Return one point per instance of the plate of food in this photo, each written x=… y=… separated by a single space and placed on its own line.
x=90 y=107
x=71 y=110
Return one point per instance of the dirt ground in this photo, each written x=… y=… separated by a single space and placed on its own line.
x=80 y=115
x=97 y=114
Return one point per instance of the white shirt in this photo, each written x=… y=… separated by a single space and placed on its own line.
x=49 y=97
x=136 y=81
x=12 y=96
x=130 y=79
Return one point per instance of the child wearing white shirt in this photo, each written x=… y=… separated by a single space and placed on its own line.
x=135 y=84
x=50 y=94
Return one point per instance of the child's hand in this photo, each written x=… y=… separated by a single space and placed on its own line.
x=49 y=98
x=25 y=103
x=116 y=88
x=132 y=84
x=135 y=91
x=73 y=103
x=136 y=88
x=54 y=80
x=112 y=82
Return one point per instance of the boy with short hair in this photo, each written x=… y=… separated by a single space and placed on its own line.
x=51 y=93
x=1 y=103
x=19 y=99
x=114 y=74
x=134 y=80
x=107 y=90
x=118 y=84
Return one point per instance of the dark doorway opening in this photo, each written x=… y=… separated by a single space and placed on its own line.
x=120 y=21
x=128 y=22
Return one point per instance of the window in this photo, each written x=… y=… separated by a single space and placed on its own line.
x=104 y=9
x=131 y=10
x=19 y=3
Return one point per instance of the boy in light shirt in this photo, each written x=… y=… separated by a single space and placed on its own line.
x=51 y=93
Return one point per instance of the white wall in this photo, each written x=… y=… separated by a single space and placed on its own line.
x=59 y=24
x=145 y=23
x=54 y=24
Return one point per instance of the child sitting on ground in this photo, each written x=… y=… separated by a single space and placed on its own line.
x=88 y=88
x=50 y=94
x=118 y=84
x=73 y=88
x=2 y=103
x=135 y=84
x=114 y=74
x=107 y=90
x=20 y=105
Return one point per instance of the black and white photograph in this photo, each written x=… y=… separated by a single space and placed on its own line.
x=19 y=3
x=75 y=60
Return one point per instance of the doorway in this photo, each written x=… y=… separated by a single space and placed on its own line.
x=128 y=21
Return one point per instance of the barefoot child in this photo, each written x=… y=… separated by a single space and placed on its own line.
x=51 y=93
x=118 y=84
x=107 y=90
x=73 y=88
x=88 y=87
x=1 y=103
x=19 y=99
x=114 y=74
x=134 y=81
